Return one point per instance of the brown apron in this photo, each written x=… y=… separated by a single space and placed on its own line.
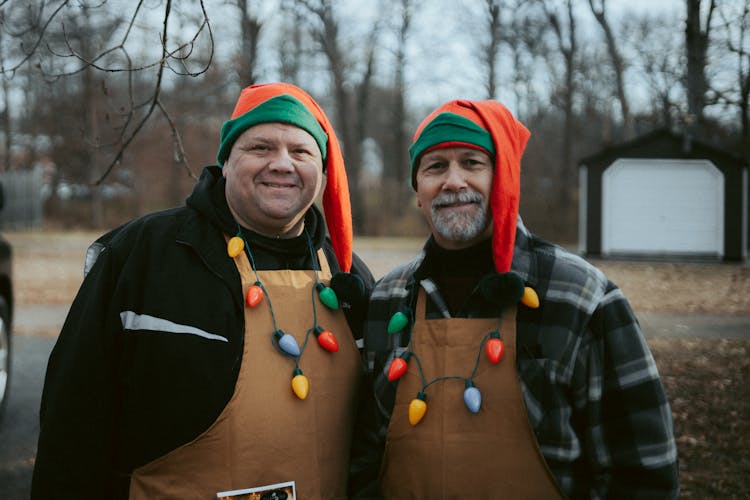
x=453 y=453
x=266 y=435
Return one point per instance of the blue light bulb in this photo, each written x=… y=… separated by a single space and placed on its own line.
x=472 y=397
x=287 y=343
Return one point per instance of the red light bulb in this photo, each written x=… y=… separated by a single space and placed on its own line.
x=397 y=368
x=326 y=340
x=254 y=295
x=494 y=349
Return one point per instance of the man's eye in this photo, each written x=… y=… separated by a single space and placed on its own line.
x=474 y=163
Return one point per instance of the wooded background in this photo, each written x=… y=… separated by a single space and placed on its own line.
x=119 y=103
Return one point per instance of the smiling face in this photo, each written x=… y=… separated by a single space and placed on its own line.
x=453 y=190
x=273 y=174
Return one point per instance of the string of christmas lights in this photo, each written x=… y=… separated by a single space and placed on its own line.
x=491 y=343
x=285 y=343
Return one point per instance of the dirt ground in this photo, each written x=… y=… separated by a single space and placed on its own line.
x=705 y=380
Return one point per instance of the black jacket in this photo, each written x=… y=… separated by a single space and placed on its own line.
x=114 y=400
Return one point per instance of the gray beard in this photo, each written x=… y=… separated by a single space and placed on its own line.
x=459 y=226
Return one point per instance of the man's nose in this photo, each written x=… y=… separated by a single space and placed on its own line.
x=455 y=179
x=281 y=161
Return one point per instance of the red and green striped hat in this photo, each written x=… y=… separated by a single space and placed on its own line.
x=489 y=127
x=286 y=103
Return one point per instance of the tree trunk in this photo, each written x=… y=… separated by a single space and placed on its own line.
x=696 y=44
x=396 y=171
x=493 y=46
x=617 y=66
x=250 y=34
x=328 y=37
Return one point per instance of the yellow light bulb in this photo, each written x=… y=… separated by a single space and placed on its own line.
x=300 y=385
x=530 y=298
x=235 y=246
x=417 y=409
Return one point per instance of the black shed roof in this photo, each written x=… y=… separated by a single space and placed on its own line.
x=663 y=143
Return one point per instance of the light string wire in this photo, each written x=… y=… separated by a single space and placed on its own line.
x=413 y=354
x=315 y=265
x=259 y=283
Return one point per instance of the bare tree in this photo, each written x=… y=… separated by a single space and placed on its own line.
x=395 y=170
x=697 y=37
x=658 y=48
x=598 y=8
x=526 y=45
x=85 y=35
x=250 y=29
x=17 y=22
x=351 y=107
x=492 y=46
x=563 y=23
x=5 y=118
x=735 y=28
x=508 y=24
x=326 y=33
x=292 y=44
x=115 y=58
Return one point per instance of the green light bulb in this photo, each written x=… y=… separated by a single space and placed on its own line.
x=397 y=322
x=327 y=296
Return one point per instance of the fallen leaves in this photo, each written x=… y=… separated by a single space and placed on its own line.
x=706 y=383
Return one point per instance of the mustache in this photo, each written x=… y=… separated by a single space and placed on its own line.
x=446 y=199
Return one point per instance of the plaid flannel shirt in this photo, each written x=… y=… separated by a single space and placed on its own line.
x=590 y=384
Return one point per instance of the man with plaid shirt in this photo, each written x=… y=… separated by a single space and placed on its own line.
x=561 y=395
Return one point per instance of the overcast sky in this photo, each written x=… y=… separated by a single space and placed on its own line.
x=441 y=55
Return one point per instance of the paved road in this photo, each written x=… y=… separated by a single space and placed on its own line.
x=702 y=326
x=20 y=426
x=19 y=430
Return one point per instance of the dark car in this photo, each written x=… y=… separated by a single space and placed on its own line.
x=6 y=316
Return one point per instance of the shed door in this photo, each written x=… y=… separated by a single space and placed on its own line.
x=663 y=207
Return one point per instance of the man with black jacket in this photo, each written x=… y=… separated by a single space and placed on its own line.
x=214 y=347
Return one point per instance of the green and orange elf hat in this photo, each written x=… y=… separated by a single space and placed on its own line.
x=286 y=103
x=489 y=127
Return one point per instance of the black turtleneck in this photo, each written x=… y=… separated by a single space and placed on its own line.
x=457 y=272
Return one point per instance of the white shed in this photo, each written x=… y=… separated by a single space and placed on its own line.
x=654 y=197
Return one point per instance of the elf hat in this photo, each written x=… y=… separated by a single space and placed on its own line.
x=286 y=103
x=489 y=127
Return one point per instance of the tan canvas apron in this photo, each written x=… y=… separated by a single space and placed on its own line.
x=265 y=434
x=453 y=453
